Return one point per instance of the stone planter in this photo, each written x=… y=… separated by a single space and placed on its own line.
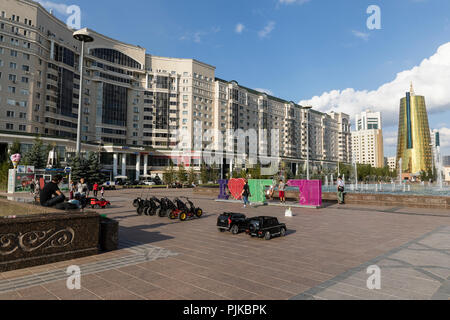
x=109 y=234
x=33 y=240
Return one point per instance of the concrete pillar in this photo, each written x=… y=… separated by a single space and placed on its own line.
x=115 y=160
x=138 y=166
x=124 y=164
x=146 y=164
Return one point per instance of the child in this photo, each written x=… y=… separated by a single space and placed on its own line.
x=102 y=192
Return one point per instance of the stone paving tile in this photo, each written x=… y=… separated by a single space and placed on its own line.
x=321 y=244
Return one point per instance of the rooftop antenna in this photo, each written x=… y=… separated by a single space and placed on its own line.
x=411 y=90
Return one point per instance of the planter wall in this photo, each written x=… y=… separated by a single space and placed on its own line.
x=42 y=239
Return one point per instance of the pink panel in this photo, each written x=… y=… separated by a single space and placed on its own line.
x=310 y=191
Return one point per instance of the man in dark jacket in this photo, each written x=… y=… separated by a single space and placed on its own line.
x=51 y=189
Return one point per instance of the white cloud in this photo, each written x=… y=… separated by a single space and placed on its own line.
x=444 y=137
x=61 y=8
x=239 y=28
x=267 y=30
x=269 y=92
x=292 y=1
x=198 y=35
x=431 y=79
x=361 y=35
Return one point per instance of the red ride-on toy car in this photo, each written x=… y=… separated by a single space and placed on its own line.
x=102 y=203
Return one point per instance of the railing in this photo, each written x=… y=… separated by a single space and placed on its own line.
x=393 y=188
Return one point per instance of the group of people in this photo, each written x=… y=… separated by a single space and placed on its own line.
x=282 y=192
x=51 y=195
x=82 y=188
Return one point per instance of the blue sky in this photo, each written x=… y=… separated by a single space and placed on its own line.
x=296 y=49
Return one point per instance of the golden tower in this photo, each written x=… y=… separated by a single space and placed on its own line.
x=414 y=141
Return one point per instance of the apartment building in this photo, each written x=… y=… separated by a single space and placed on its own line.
x=367 y=140
x=141 y=110
x=391 y=162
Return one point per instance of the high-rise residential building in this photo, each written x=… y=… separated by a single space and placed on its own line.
x=446 y=161
x=391 y=162
x=414 y=141
x=435 y=147
x=139 y=109
x=367 y=140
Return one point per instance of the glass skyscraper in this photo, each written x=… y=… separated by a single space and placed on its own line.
x=414 y=141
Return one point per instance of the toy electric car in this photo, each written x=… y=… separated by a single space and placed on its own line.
x=168 y=209
x=233 y=222
x=265 y=227
x=151 y=206
x=102 y=203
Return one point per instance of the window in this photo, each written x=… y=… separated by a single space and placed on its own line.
x=22 y=127
x=13 y=53
x=13 y=65
x=12 y=89
x=26 y=68
x=9 y=126
x=24 y=79
x=10 y=114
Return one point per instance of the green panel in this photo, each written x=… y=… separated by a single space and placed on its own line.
x=257 y=190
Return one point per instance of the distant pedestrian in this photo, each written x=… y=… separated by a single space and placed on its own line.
x=71 y=190
x=246 y=194
x=95 y=189
x=102 y=192
x=340 y=190
x=282 y=191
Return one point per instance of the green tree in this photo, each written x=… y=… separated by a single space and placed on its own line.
x=192 y=177
x=169 y=174
x=94 y=169
x=15 y=148
x=181 y=174
x=38 y=155
x=204 y=173
x=79 y=167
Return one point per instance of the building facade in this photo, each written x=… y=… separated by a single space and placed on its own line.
x=391 y=162
x=414 y=141
x=367 y=140
x=141 y=110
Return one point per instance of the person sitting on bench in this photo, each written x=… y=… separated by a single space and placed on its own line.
x=50 y=189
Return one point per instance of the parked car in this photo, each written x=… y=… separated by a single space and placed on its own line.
x=233 y=222
x=157 y=180
x=265 y=227
x=109 y=185
x=148 y=183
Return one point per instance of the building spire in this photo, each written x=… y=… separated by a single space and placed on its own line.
x=411 y=90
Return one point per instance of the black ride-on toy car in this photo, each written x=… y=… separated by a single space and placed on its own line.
x=168 y=209
x=265 y=227
x=188 y=209
x=153 y=208
x=233 y=222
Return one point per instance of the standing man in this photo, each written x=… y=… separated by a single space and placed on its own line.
x=50 y=189
x=246 y=194
x=281 y=189
x=340 y=190
x=82 y=187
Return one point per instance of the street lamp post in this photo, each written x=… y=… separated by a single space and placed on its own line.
x=307 y=108
x=83 y=36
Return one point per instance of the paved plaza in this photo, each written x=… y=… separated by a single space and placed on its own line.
x=325 y=255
